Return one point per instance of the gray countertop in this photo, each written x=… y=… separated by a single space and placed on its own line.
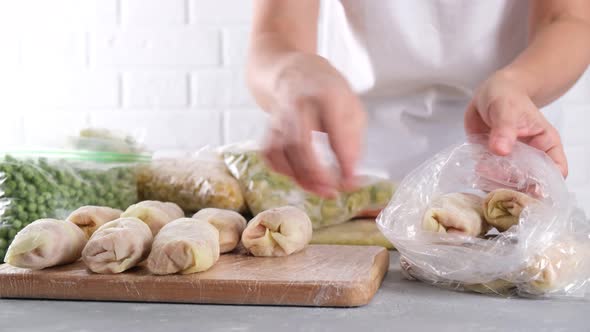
x=400 y=304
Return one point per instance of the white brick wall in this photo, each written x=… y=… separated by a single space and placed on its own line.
x=171 y=70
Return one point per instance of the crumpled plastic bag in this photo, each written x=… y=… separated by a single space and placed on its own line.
x=537 y=245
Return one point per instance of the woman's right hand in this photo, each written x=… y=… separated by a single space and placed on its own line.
x=311 y=95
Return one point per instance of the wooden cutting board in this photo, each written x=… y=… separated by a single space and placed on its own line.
x=321 y=275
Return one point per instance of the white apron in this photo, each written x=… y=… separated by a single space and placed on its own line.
x=415 y=65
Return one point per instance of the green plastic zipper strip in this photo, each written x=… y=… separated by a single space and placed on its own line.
x=83 y=155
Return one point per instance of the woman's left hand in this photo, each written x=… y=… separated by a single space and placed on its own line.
x=504 y=110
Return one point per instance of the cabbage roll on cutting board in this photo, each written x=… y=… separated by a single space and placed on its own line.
x=155 y=214
x=45 y=243
x=184 y=246
x=90 y=218
x=458 y=213
x=502 y=207
x=118 y=246
x=230 y=225
x=277 y=232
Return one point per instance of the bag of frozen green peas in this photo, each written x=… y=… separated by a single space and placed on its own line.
x=37 y=184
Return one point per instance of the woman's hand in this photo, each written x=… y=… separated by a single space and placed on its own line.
x=310 y=94
x=503 y=108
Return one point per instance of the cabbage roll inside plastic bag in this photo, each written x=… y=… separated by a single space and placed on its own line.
x=265 y=189
x=118 y=246
x=456 y=213
x=523 y=254
x=155 y=214
x=90 y=218
x=502 y=207
x=46 y=243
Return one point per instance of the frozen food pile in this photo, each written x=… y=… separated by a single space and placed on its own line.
x=470 y=220
x=100 y=169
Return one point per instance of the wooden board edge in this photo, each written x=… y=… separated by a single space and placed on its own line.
x=338 y=294
x=367 y=290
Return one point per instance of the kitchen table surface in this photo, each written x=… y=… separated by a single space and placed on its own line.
x=399 y=305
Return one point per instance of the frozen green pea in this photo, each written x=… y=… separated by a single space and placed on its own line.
x=17 y=224
x=34 y=216
x=4 y=231
x=10 y=185
x=32 y=207
x=12 y=233
x=51 y=204
x=2 y=254
x=31 y=189
x=22 y=186
x=41 y=210
x=22 y=215
x=3 y=244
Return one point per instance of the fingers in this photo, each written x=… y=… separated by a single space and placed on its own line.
x=345 y=127
x=473 y=122
x=503 y=121
x=289 y=150
x=273 y=150
x=299 y=152
x=548 y=141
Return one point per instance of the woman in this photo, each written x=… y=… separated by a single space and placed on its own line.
x=413 y=76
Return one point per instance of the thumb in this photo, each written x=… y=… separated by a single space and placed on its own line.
x=503 y=127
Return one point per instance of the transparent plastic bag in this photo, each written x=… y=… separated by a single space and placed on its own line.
x=100 y=139
x=265 y=189
x=37 y=184
x=194 y=182
x=546 y=252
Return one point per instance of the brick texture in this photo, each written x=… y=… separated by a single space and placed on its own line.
x=155 y=90
x=180 y=46
x=153 y=12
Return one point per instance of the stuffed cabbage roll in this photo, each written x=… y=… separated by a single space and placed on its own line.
x=502 y=207
x=155 y=214
x=184 y=246
x=230 y=225
x=90 y=218
x=559 y=267
x=45 y=243
x=277 y=232
x=118 y=246
x=459 y=213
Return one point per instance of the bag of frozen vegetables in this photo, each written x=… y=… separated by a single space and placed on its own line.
x=105 y=140
x=53 y=183
x=264 y=189
x=194 y=182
